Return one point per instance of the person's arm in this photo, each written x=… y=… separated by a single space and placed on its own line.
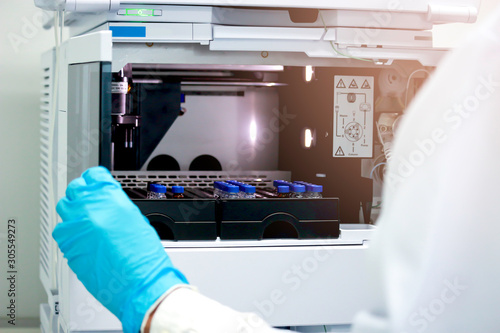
x=186 y=310
x=108 y=241
x=112 y=248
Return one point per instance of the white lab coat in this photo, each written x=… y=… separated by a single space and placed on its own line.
x=434 y=259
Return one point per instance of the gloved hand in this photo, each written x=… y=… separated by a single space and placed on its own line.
x=112 y=248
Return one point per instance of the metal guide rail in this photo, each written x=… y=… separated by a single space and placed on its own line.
x=197 y=179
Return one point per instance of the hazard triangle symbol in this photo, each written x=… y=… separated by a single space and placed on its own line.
x=353 y=84
x=339 y=152
x=341 y=84
x=365 y=85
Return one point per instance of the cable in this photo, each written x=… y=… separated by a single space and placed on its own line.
x=408 y=83
x=388 y=150
x=375 y=167
x=379 y=175
x=381 y=156
x=386 y=146
x=333 y=46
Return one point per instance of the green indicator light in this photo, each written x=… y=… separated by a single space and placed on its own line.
x=139 y=12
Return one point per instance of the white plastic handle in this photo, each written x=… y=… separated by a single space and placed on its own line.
x=441 y=14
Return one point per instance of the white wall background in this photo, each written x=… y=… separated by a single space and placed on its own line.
x=22 y=42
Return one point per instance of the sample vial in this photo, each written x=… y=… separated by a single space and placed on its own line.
x=283 y=192
x=277 y=183
x=230 y=191
x=246 y=191
x=217 y=189
x=314 y=191
x=225 y=190
x=297 y=190
x=178 y=192
x=157 y=191
x=148 y=189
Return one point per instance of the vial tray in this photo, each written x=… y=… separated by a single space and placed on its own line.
x=258 y=219
x=199 y=216
x=181 y=219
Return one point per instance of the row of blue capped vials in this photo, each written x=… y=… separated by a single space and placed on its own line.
x=158 y=191
x=232 y=189
x=297 y=189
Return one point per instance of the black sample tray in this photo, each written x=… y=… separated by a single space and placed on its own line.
x=181 y=219
x=258 y=219
x=201 y=217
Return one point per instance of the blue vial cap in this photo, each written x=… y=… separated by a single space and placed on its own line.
x=248 y=189
x=177 y=189
x=315 y=188
x=232 y=189
x=283 y=189
x=149 y=185
x=157 y=188
x=301 y=183
x=277 y=183
x=298 y=188
x=218 y=185
x=183 y=98
x=226 y=187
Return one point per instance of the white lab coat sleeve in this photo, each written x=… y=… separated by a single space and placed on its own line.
x=434 y=259
x=183 y=309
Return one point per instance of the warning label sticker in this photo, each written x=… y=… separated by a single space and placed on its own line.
x=353 y=85
x=353 y=117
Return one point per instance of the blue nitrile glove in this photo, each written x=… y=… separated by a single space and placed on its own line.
x=112 y=248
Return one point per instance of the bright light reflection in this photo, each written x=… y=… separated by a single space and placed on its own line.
x=309 y=73
x=253 y=131
x=308 y=138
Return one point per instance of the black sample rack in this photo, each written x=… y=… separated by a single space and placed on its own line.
x=200 y=216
